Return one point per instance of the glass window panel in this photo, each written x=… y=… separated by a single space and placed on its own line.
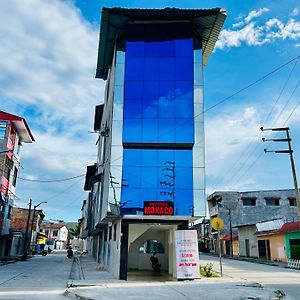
x=199 y=139
x=166 y=89
x=167 y=48
x=132 y=176
x=165 y=157
x=130 y=197
x=149 y=177
x=133 y=109
x=198 y=74
x=184 y=109
x=118 y=94
x=120 y=57
x=152 y=49
x=118 y=112
x=132 y=157
x=198 y=95
x=184 y=158
x=199 y=177
x=184 y=47
x=198 y=56
x=184 y=178
x=184 y=90
x=198 y=157
x=166 y=130
x=183 y=202
x=150 y=131
x=151 y=68
x=149 y=158
x=166 y=107
x=151 y=90
x=133 y=90
x=150 y=108
x=148 y=195
x=199 y=202
x=134 y=49
x=119 y=74
x=184 y=131
x=117 y=133
x=167 y=69
x=184 y=68
x=132 y=131
x=116 y=155
x=134 y=69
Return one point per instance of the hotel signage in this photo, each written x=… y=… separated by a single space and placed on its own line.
x=159 y=208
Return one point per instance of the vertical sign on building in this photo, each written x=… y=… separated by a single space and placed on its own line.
x=187 y=256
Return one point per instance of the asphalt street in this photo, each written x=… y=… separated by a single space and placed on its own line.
x=271 y=277
x=40 y=277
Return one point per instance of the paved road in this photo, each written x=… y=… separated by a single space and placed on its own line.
x=37 y=278
x=272 y=277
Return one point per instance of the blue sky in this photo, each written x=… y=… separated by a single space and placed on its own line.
x=47 y=76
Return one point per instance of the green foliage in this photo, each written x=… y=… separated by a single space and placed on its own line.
x=206 y=271
x=74 y=232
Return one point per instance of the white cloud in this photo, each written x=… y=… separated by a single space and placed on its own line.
x=256 y=13
x=254 y=34
x=295 y=11
x=50 y=59
x=47 y=70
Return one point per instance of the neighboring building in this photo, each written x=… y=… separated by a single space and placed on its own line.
x=149 y=177
x=57 y=234
x=226 y=244
x=18 y=228
x=14 y=131
x=84 y=226
x=246 y=210
x=203 y=231
x=292 y=239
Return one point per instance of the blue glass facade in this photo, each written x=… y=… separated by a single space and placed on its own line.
x=155 y=112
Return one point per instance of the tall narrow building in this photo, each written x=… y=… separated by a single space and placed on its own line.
x=14 y=131
x=149 y=179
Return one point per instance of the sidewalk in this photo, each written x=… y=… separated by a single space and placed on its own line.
x=89 y=282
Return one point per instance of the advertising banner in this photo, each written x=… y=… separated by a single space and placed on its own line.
x=187 y=256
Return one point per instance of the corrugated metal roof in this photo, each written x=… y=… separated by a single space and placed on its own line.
x=207 y=24
x=270 y=225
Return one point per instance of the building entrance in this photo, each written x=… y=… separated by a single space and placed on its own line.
x=146 y=240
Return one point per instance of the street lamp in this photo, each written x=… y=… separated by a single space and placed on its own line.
x=34 y=209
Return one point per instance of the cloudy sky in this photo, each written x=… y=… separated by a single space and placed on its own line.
x=48 y=53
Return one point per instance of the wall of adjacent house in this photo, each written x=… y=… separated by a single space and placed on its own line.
x=289 y=236
x=247 y=233
x=277 y=246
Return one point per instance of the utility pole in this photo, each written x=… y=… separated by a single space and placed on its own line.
x=230 y=227
x=290 y=151
x=33 y=217
x=24 y=257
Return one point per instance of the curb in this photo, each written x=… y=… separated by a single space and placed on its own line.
x=72 y=295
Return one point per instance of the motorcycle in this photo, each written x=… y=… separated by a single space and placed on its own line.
x=155 y=263
x=70 y=253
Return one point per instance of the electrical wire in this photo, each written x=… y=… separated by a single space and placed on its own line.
x=52 y=180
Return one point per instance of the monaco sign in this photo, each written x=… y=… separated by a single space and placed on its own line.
x=159 y=208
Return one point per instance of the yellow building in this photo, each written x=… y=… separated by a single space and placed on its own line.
x=225 y=240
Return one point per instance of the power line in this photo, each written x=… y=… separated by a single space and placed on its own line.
x=52 y=180
x=253 y=83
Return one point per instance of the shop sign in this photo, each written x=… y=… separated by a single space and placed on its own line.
x=187 y=256
x=160 y=208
